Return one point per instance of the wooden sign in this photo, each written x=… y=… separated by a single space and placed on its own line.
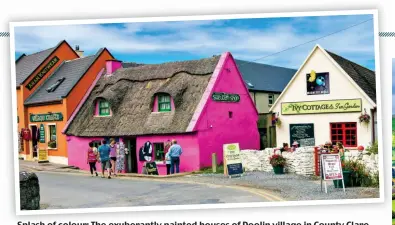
x=225 y=97
x=232 y=160
x=151 y=168
x=42 y=155
x=316 y=107
x=42 y=134
x=33 y=82
x=303 y=133
x=46 y=117
x=331 y=169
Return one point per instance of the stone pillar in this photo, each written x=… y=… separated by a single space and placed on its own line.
x=29 y=188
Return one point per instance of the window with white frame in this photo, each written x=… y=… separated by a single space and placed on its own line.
x=271 y=99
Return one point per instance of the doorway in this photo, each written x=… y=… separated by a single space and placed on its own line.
x=131 y=157
x=34 y=140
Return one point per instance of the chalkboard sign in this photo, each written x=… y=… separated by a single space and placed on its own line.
x=302 y=133
x=235 y=169
x=151 y=168
x=42 y=134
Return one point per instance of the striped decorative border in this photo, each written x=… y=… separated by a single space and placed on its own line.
x=4 y=34
x=381 y=34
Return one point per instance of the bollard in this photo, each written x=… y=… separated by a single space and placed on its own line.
x=214 y=162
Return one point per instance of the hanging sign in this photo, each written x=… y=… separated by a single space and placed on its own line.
x=232 y=160
x=329 y=106
x=225 y=97
x=42 y=155
x=331 y=169
x=42 y=134
x=42 y=73
x=302 y=133
x=46 y=117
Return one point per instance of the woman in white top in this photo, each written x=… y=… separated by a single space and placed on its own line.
x=168 y=162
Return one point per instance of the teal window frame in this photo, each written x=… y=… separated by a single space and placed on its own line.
x=164 y=103
x=106 y=107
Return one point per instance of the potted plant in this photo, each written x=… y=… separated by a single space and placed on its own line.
x=278 y=162
x=52 y=144
x=346 y=176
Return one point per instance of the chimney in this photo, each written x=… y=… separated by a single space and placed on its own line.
x=112 y=65
x=78 y=51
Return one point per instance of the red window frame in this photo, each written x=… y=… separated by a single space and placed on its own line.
x=345 y=133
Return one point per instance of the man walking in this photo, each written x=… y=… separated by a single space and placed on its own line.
x=104 y=151
x=175 y=152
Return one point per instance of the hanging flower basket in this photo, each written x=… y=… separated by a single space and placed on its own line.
x=364 y=118
x=276 y=121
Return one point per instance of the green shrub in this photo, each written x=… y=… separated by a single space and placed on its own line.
x=373 y=149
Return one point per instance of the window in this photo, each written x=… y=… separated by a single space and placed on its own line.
x=271 y=99
x=164 y=104
x=53 y=87
x=104 y=108
x=345 y=133
x=52 y=143
x=159 y=151
x=230 y=114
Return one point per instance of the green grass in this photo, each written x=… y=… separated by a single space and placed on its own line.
x=220 y=169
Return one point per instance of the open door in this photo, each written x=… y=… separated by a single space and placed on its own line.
x=131 y=157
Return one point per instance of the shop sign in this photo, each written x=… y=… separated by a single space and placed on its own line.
x=46 y=117
x=331 y=169
x=42 y=155
x=328 y=106
x=302 y=133
x=42 y=73
x=232 y=159
x=42 y=134
x=151 y=168
x=317 y=83
x=225 y=97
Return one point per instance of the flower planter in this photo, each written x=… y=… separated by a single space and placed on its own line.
x=346 y=178
x=278 y=169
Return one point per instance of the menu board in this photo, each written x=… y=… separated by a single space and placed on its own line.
x=232 y=159
x=331 y=167
x=151 y=168
x=303 y=133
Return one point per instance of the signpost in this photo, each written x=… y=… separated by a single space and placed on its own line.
x=42 y=155
x=42 y=134
x=315 y=107
x=151 y=168
x=42 y=73
x=302 y=133
x=331 y=169
x=232 y=160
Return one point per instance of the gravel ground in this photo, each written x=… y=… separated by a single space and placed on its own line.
x=291 y=187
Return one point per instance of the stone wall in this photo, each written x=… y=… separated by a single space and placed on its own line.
x=29 y=188
x=300 y=162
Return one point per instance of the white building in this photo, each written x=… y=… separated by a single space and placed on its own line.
x=324 y=100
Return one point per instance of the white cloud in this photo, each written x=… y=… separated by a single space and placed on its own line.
x=205 y=38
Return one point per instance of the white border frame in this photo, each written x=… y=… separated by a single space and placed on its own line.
x=48 y=138
x=374 y=12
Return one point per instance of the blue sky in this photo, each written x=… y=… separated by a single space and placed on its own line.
x=248 y=39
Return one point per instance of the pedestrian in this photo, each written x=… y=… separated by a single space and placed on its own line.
x=121 y=157
x=104 y=151
x=175 y=152
x=167 y=157
x=113 y=155
x=92 y=158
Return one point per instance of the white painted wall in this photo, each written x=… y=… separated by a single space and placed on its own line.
x=340 y=88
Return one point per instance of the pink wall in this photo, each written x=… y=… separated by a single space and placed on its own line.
x=214 y=126
x=112 y=66
x=77 y=148
x=189 y=160
x=155 y=107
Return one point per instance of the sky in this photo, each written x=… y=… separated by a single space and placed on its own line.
x=247 y=39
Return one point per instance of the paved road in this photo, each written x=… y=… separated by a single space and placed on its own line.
x=62 y=191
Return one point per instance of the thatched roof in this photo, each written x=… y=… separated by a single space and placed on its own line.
x=131 y=91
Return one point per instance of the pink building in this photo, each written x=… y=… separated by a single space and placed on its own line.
x=203 y=104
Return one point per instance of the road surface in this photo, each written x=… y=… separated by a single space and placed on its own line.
x=65 y=191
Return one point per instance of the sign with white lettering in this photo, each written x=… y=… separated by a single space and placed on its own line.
x=302 y=133
x=42 y=73
x=317 y=83
x=232 y=160
x=46 y=117
x=42 y=134
x=225 y=97
x=328 y=106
